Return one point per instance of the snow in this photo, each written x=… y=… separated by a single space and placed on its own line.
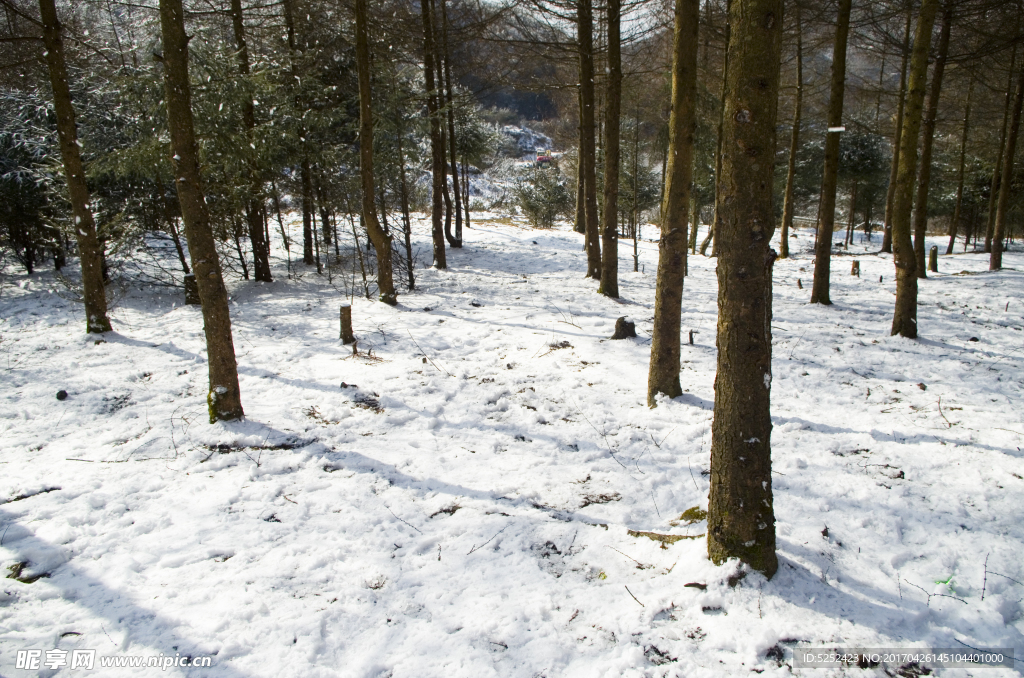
x=456 y=500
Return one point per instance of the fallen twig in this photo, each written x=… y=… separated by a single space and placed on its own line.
x=400 y=520
x=477 y=548
x=439 y=369
x=632 y=596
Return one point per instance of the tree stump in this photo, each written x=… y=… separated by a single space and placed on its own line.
x=346 y=324
x=855 y=268
x=624 y=328
x=192 y=290
x=799 y=284
x=933 y=259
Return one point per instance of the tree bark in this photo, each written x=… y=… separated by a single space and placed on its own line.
x=904 y=319
x=663 y=374
x=890 y=194
x=90 y=249
x=452 y=145
x=378 y=236
x=995 y=261
x=712 y=236
x=436 y=148
x=224 y=398
x=830 y=174
x=954 y=225
x=255 y=205
x=741 y=518
x=610 y=228
x=997 y=171
x=588 y=152
x=794 y=142
x=927 y=136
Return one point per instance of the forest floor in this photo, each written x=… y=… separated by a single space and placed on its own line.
x=458 y=498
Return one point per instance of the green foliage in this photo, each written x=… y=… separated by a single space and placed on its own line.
x=542 y=196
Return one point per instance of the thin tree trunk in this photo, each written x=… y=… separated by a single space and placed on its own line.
x=663 y=373
x=850 y=223
x=995 y=261
x=588 y=152
x=997 y=169
x=90 y=249
x=927 y=136
x=404 y=190
x=830 y=174
x=236 y=235
x=436 y=148
x=890 y=194
x=741 y=518
x=306 y=182
x=379 y=237
x=794 y=141
x=904 y=319
x=224 y=398
x=275 y=198
x=954 y=225
x=255 y=207
x=712 y=236
x=452 y=145
x=610 y=228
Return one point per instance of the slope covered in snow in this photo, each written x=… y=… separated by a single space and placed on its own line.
x=464 y=496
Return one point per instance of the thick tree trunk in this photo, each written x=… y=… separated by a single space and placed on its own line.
x=794 y=141
x=452 y=145
x=610 y=228
x=712 y=236
x=378 y=236
x=741 y=518
x=954 y=224
x=830 y=174
x=663 y=374
x=890 y=194
x=255 y=205
x=588 y=152
x=436 y=148
x=90 y=249
x=995 y=261
x=224 y=398
x=904 y=319
x=997 y=170
x=927 y=136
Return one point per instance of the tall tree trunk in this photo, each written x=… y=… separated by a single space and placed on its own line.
x=954 y=225
x=997 y=170
x=663 y=374
x=224 y=398
x=580 y=221
x=712 y=236
x=436 y=148
x=255 y=205
x=995 y=261
x=830 y=173
x=904 y=319
x=588 y=152
x=851 y=222
x=741 y=517
x=305 y=182
x=379 y=237
x=794 y=141
x=452 y=145
x=890 y=194
x=90 y=249
x=404 y=190
x=610 y=228
x=927 y=136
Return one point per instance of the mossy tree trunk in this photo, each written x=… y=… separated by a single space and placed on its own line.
x=904 y=319
x=890 y=193
x=224 y=398
x=924 y=175
x=613 y=102
x=588 y=150
x=663 y=374
x=794 y=141
x=90 y=249
x=380 y=238
x=741 y=518
x=830 y=173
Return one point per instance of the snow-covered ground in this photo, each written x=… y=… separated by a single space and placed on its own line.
x=456 y=500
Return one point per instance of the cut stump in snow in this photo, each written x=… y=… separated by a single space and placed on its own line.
x=624 y=328
x=933 y=259
x=346 y=324
x=855 y=268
